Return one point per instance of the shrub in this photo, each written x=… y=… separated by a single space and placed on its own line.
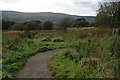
x=18 y=26
x=48 y=25
x=33 y=25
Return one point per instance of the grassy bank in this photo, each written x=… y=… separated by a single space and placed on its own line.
x=94 y=57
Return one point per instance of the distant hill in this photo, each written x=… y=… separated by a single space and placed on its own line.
x=42 y=16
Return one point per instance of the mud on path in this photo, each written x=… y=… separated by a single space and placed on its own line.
x=37 y=65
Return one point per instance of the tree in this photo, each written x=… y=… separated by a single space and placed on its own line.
x=6 y=24
x=48 y=25
x=80 y=22
x=33 y=25
x=108 y=14
x=92 y=24
x=65 y=23
x=18 y=26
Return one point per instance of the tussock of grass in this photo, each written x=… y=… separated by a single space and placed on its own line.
x=58 y=39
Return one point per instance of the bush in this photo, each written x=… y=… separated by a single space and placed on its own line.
x=18 y=26
x=6 y=24
x=48 y=25
x=33 y=25
x=27 y=34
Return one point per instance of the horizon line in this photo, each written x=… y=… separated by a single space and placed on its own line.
x=46 y=12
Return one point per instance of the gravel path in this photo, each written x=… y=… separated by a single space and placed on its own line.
x=37 y=65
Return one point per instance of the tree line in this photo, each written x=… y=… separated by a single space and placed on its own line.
x=47 y=25
x=29 y=25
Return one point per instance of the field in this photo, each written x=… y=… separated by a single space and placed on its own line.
x=89 y=53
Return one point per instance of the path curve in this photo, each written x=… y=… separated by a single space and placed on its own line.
x=37 y=66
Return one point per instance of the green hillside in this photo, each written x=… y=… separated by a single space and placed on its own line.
x=43 y=16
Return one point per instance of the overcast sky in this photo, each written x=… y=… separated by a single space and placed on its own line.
x=74 y=7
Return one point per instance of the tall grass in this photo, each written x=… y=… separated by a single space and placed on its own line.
x=94 y=57
x=17 y=48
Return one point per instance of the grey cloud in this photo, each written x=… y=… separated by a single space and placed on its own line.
x=80 y=7
x=85 y=7
x=9 y=1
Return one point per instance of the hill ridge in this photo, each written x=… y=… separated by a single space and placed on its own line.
x=42 y=16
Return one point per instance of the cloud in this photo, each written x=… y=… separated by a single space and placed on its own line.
x=78 y=8
x=85 y=8
x=9 y=1
x=74 y=7
x=87 y=1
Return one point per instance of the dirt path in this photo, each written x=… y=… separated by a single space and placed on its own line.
x=37 y=66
